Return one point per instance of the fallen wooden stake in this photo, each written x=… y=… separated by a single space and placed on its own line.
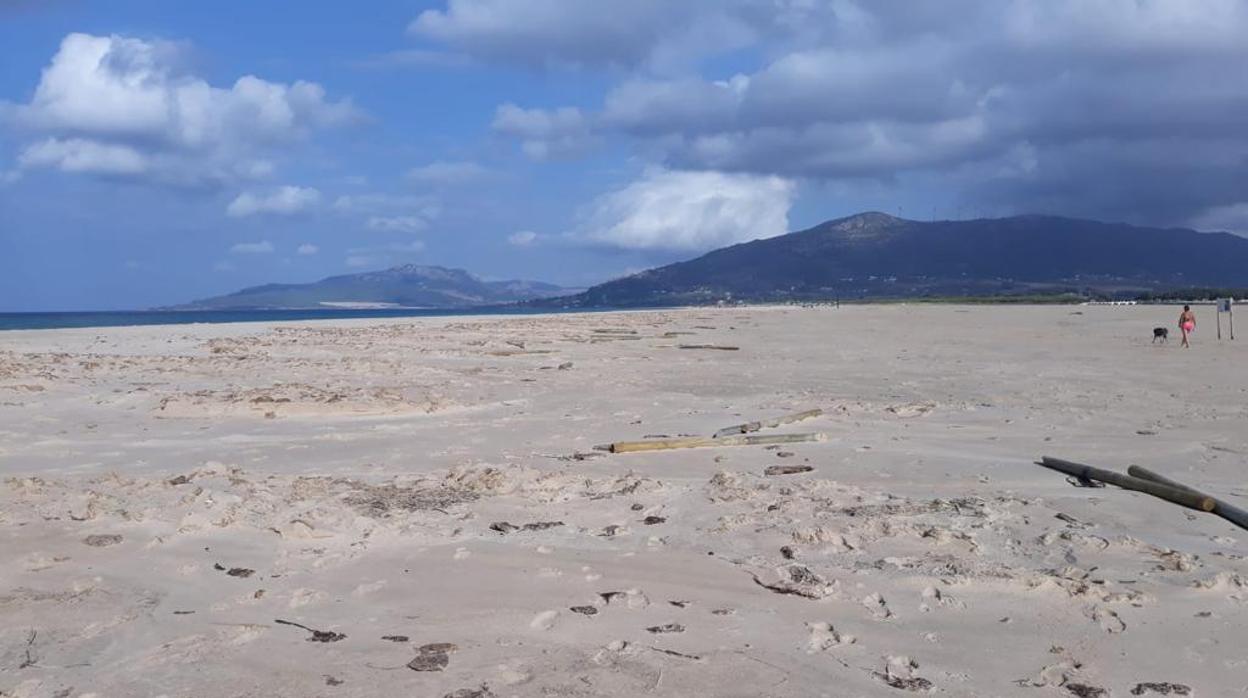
x=1171 y=494
x=768 y=424
x=1228 y=511
x=708 y=346
x=704 y=442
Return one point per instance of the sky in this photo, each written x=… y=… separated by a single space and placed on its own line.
x=153 y=152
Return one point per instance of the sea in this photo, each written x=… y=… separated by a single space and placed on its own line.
x=110 y=318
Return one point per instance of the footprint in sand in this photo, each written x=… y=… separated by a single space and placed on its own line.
x=544 y=620
x=823 y=636
x=878 y=607
x=632 y=598
x=368 y=588
x=1107 y=619
x=935 y=598
x=36 y=562
x=303 y=597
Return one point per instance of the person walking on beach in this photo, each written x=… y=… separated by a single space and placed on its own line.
x=1187 y=323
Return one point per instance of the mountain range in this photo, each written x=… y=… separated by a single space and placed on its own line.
x=869 y=255
x=409 y=285
x=875 y=255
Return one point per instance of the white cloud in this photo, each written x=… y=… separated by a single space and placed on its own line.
x=545 y=134
x=425 y=206
x=223 y=266
x=121 y=106
x=681 y=210
x=398 y=224
x=80 y=155
x=1113 y=100
x=522 y=238
x=447 y=172
x=283 y=201
x=307 y=249
x=262 y=247
x=361 y=261
x=595 y=33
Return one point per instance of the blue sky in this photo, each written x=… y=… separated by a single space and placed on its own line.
x=156 y=152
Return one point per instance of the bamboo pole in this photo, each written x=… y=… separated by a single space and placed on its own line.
x=1228 y=511
x=704 y=442
x=1186 y=498
x=768 y=423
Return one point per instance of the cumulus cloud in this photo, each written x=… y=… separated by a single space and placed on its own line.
x=1123 y=109
x=284 y=201
x=120 y=106
x=262 y=247
x=385 y=212
x=545 y=134
x=690 y=211
x=81 y=155
x=522 y=238
x=306 y=249
x=442 y=172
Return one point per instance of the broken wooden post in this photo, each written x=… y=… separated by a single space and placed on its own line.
x=768 y=424
x=704 y=442
x=1171 y=494
x=1228 y=511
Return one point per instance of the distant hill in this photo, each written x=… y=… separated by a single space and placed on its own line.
x=409 y=285
x=874 y=255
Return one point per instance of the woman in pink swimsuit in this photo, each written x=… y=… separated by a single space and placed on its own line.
x=1187 y=323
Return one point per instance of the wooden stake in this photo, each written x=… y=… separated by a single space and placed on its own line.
x=768 y=424
x=1230 y=512
x=703 y=442
x=1185 y=498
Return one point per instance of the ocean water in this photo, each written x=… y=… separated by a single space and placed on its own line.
x=44 y=321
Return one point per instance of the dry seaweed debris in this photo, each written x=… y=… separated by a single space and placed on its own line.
x=380 y=501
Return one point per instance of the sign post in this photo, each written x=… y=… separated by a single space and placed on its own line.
x=1224 y=306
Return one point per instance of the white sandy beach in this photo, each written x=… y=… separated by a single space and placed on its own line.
x=169 y=493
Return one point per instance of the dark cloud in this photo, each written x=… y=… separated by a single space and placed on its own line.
x=1119 y=109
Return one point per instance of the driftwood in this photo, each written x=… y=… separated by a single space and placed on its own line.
x=768 y=424
x=1230 y=512
x=703 y=442
x=719 y=347
x=1185 y=498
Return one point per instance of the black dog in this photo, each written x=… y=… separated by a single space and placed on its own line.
x=1161 y=333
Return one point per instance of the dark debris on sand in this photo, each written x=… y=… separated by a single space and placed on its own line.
x=317 y=635
x=380 y=501
x=432 y=657
x=504 y=527
x=1161 y=689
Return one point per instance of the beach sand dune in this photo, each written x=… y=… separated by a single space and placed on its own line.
x=415 y=507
